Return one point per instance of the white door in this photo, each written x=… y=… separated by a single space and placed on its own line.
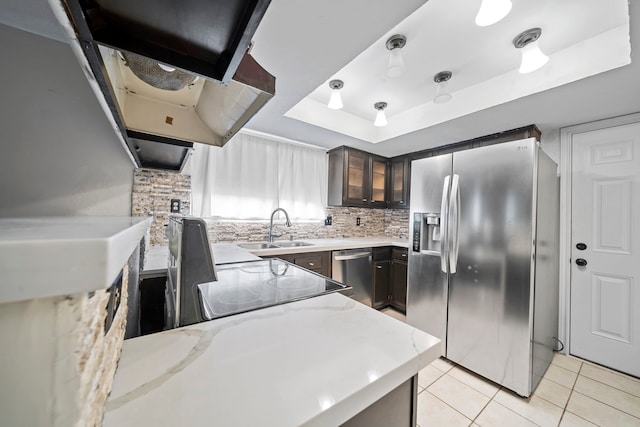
x=605 y=293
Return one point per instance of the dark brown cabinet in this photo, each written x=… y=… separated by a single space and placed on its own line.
x=318 y=262
x=399 y=178
x=398 y=282
x=378 y=183
x=390 y=278
x=357 y=178
x=381 y=276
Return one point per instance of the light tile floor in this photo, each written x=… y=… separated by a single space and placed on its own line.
x=573 y=393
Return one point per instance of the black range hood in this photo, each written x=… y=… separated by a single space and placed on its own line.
x=173 y=73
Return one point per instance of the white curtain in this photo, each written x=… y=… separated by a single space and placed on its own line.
x=251 y=176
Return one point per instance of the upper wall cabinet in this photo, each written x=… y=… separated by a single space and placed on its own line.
x=399 y=181
x=357 y=178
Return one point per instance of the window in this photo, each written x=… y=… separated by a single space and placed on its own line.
x=252 y=175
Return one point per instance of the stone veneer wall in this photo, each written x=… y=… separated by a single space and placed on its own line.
x=60 y=364
x=373 y=222
x=396 y=223
x=152 y=194
x=98 y=353
x=154 y=189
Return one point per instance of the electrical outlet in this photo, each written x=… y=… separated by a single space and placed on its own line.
x=175 y=205
x=328 y=220
x=358 y=221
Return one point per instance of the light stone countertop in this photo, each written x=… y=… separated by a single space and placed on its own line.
x=157 y=257
x=315 y=362
x=225 y=253
x=334 y=245
x=50 y=256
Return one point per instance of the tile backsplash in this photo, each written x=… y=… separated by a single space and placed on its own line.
x=373 y=222
x=152 y=194
x=153 y=191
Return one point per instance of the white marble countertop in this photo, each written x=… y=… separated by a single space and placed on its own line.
x=316 y=362
x=156 y=258
x=224 y=253
x=48 y=256
x=335 y=245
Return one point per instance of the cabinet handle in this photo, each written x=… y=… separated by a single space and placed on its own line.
x=364 y=200
x=378 y=266
x=404 y=255
x=311 y=264
x=401 y=202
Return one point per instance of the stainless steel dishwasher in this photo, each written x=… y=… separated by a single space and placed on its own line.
x=353 y=268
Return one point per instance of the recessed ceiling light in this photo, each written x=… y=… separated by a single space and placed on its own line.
x=396 y=63
x=442 y=95
x=335 y=102
x=492 y=11
x=381 y=118
x=532 y=56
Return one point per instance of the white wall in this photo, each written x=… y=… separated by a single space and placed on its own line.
x=550 y=144
x=58 y=154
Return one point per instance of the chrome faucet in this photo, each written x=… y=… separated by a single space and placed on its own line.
x=288 y=223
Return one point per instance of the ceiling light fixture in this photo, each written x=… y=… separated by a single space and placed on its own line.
x=532 y=56
x=381 y=118
x=492 y=11
x=396 y=63
x=335 y=102
x=442 y=95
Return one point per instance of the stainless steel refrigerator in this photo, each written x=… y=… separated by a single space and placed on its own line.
x=483 y=264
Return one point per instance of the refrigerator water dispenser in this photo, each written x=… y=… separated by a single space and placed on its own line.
x=426 y=232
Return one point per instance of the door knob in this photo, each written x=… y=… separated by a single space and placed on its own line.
x=581 y=262
x=581 y=246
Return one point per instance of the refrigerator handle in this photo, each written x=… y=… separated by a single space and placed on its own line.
x=444 y=221
x=454 y=223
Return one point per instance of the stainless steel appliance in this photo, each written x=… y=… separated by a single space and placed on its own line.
x=353 y=268
x=190 y=263
x=184 y=65
x=198 y=289
x=483 y=262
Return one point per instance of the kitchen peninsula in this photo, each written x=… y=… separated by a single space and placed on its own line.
x=316 y=362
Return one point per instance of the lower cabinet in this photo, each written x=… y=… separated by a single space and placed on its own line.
x=318 y=262
x=381 y=275
x=390 y=278
x=389 y=273
x=398 y=285
x=398 y=408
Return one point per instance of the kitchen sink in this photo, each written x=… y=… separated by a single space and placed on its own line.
x=258 y=245
x=274 y=245
x=292 y=244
